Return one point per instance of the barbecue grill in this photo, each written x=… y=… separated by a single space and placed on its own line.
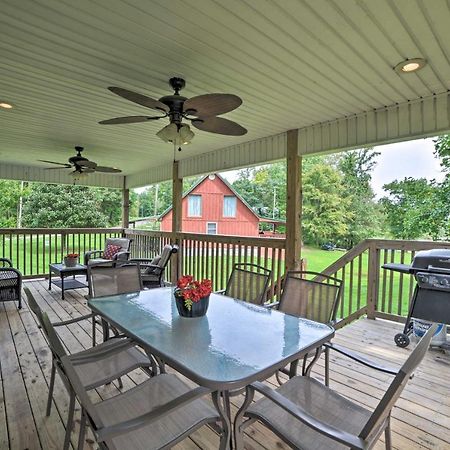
x=431 y=297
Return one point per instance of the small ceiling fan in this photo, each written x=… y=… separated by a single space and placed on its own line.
x=201 y=111
x=81 y=165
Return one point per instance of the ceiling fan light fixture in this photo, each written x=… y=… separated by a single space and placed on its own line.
x=410 y=65
x=77 y=175
x=170 y=133
x=186 y=135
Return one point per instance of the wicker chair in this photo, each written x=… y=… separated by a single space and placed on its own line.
x=152 y=270
x=10 y=282
x=96 y=256
x=95 y=366
x=308 y=415
x=248 y=282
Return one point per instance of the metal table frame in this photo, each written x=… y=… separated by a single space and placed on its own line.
x=64 y=272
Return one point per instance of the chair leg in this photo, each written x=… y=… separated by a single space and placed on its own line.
x=82 y=434
x=50 y=389
x=387 y=435
x=69 y=424
x=327 y=366
x=94 y=330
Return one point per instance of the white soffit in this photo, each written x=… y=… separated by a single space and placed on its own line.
x=421 y=118
x=297 y=64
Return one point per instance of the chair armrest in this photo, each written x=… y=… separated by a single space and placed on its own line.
x=94 y=353
x=156 y=414
x=273 y=305
x=7 y=261
x=299 y=413
x=74 y=320
x=121 y=256
x=90 y=254
x=361 y=359
x=222 y=291
x=141 y=260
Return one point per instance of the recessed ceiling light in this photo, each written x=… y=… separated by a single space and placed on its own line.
x=5 y=105
x=410 y=65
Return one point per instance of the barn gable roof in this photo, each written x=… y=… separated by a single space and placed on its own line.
x=200 y=181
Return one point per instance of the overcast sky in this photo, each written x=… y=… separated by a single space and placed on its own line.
x=397 y=161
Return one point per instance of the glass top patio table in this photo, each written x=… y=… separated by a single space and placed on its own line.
x=235 y=344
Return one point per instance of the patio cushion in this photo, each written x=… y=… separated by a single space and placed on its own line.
x=111 y=250
x=154 y=262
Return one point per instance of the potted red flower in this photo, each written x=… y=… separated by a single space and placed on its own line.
x=192 y=297
x=71 y=259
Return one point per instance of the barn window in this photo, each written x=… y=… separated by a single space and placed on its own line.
x=211 y=228
x=229 y=206
x=195 y=205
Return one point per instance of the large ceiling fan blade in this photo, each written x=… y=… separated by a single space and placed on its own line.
x=208 y=105
x=85 y=164
x=54 y=162
x=88 y=169
x=129 y=119
x=107 y=169
x=57 y=168
x=219 y=125
x=139 y=98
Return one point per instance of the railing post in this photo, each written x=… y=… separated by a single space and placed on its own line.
x=177 y=197
x=373 y=280
x=293 y=203
x=125 y=208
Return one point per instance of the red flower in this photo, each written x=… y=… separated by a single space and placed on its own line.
x=191 y=290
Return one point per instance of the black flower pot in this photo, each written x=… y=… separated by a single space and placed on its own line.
x=198 y=309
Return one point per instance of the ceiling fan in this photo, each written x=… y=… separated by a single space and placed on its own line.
x=201 y=111
x=81 y=165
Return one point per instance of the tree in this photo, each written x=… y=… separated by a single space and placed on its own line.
x=9 y=201
x=326 y=210
x=413 y=208
x=356 y=167
x=68 y=206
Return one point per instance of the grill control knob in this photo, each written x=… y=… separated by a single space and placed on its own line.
x=443 y=282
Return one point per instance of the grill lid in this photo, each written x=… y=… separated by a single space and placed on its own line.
x=429 y=259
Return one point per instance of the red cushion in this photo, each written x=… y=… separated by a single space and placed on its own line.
x=111 y=250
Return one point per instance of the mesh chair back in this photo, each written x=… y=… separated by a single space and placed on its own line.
x=104 y=281
x=248 y=282
x=166 y=254
x=383 y=410
x=314 y=300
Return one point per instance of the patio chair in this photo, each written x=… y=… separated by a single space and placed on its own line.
x=308 y=415
x=104 y=281
x=10 y=282
x=156 y=414
x=305 y=296
x=248 y=282
x=116 y=251
x=95 y=366
x=152 y=270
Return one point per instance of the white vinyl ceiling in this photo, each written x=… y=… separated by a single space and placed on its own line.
x=295 y=63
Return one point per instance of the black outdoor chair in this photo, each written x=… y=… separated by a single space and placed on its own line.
x=10 y=282
x=152 y=270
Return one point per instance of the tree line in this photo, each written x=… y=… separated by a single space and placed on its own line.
x=339 y=204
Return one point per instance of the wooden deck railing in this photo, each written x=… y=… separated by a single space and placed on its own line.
x=32 y=249
x=371 y=290
x=213 y=256
x=368 y=289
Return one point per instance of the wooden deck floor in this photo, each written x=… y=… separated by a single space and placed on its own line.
x=421 y=418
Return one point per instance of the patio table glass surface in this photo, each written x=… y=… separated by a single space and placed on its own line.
x=234 y=344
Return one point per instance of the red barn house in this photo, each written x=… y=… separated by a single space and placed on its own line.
x=212 y=206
